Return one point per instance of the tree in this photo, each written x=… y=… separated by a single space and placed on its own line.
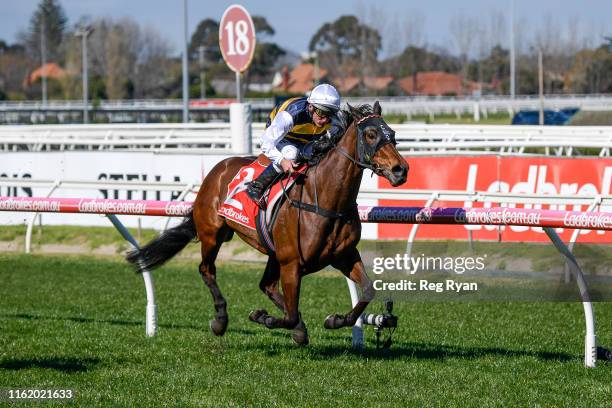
x=464 y=30
x=121 y=51
x=154 y=65
x=599 y=71
x=493 y=68
x=417 y=59
x=14 y=63
x=346 y=43
x=50 y=15
x=266 y=53
x=207 y=35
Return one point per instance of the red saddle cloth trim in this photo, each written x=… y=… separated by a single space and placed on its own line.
x=238 y=206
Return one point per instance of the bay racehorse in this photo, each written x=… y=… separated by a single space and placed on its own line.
x=318 y=225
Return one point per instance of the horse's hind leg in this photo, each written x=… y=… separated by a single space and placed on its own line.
x=210 y=248
x=269 y=286
x=352 y=267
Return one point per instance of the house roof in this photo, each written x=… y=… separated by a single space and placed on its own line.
x=377 y=83
x=346 y=84
x=301 y=78
x=52 y=70
x=437 y=83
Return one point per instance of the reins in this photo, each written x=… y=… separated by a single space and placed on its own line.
x=314 y=208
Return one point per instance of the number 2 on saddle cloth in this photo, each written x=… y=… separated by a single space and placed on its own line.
x=239 y=207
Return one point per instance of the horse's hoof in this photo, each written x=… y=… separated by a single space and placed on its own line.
x=300 y=335
x=270 y=322
x=258 y=316
x=218 y=327
x=334 y=321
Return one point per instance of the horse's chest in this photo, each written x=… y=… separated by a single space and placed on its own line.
x=345 y=236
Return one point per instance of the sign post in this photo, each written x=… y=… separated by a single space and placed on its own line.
x=237 y=41
x=237 y=44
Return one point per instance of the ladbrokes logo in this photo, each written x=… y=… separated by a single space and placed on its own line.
x=227 y=211
x=111 y=207
x=538 y=183
x=504 y=216
x=26 y=204
x=179 y=208
x=586 y=220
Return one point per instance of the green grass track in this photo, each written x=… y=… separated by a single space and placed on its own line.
x=77 y=322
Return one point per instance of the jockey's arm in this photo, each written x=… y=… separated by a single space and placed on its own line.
x=278 y=129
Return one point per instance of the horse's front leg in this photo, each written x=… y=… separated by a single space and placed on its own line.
x=352 y=267
x=290 y=281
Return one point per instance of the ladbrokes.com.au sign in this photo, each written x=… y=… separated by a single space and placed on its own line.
x=520 y=175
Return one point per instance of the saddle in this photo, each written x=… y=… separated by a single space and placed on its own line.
x=239 y=207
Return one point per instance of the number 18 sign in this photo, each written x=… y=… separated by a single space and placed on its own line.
x=237 y=38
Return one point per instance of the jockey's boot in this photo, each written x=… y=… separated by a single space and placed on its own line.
x=257 y=187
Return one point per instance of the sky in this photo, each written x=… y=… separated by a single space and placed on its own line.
x=295 y=22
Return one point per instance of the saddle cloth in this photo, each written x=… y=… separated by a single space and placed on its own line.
x=239 y=207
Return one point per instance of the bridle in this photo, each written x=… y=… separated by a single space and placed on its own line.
x=365 y=154
x=366 y=151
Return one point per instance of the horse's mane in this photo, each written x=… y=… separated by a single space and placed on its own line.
x=345 y=118
x=354 y=113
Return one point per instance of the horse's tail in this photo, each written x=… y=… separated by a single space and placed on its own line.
x=165 y=246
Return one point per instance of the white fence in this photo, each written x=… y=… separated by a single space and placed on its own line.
x=409 y=105
x=216 y=138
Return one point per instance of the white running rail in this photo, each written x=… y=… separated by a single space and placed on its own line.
x=216 y=138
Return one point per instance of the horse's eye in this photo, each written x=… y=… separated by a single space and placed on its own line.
x=371 y=135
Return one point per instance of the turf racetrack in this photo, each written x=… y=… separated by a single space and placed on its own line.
x=78 y=323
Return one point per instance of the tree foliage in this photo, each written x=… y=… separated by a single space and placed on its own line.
x=346 y=41
x=206 y=35
x=419 y=59
x=266 y=53
x=50 y=20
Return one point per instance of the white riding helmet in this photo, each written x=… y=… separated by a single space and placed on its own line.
x=325 y=97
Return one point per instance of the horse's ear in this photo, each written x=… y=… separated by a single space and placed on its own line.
x=353 y=112
x=350 y=109
x=377 y=108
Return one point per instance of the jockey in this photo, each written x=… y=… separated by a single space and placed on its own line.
x=290 y=127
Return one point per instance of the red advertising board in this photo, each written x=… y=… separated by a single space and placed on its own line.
x=535 y=175
x=237 y=38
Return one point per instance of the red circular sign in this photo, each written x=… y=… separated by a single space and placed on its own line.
x=237 y=38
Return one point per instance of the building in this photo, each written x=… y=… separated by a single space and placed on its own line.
x=51 y=70
x=437 y=83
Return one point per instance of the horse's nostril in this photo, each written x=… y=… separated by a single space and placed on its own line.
x=399 y=171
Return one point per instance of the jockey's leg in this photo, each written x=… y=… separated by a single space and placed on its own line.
x=257 y=187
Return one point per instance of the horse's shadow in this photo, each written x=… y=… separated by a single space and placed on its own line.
x=106 y=321
x=399 y=350
x=414 y=350
x=63 y=364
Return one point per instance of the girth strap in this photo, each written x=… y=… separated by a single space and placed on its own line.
x=317 y=210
